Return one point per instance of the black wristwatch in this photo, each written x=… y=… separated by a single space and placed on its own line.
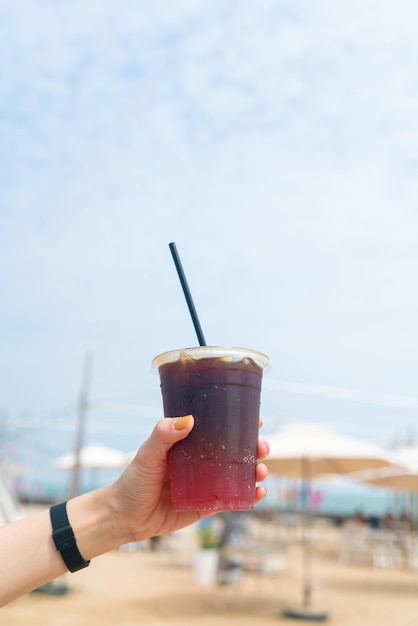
x=64 y=539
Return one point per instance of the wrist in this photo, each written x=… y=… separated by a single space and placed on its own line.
x=64 y=538
x=95 y=522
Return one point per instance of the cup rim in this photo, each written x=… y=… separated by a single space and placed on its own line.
x=232 y=353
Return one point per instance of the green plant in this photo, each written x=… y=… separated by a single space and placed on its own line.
x=207 y=538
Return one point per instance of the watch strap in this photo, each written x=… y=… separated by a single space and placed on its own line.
x=64 y=538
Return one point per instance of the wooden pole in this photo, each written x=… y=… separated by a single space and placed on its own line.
x=81 y=423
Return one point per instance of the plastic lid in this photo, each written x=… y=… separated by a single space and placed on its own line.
x=211 y=352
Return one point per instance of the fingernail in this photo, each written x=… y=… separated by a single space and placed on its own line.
x=181 y=422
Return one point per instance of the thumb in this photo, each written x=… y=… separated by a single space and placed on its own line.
x=153 y=452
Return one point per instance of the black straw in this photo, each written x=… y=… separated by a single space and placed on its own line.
x=187 y=293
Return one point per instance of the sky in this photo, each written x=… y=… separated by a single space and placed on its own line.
x=276 y=142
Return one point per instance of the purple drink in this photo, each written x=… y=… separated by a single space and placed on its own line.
x=214 y=467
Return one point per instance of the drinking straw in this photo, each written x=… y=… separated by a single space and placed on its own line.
x=187 y=293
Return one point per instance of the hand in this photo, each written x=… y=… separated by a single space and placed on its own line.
x=142 y=493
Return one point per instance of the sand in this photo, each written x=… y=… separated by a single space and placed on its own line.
x=158 y=589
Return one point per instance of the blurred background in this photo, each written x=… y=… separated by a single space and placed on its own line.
x=275 y=143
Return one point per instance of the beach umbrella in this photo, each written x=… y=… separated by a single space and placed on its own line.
x=403 y=476
x=305 y=451
x=93 y=456
x=396 y=477
x=309 y=450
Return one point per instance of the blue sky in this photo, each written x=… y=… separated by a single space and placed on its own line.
x=275 y=142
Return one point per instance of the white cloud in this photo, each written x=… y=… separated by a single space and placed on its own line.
x=276 y=143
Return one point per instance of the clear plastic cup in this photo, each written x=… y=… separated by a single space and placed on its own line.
x=214 y=467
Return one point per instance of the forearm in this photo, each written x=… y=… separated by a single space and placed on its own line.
x=135 y=507
x=28 y=555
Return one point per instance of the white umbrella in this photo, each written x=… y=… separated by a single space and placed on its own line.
x=396 y=477
x=308 y=450
x=402 y=476
x=296 y=449
x=93 y=456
